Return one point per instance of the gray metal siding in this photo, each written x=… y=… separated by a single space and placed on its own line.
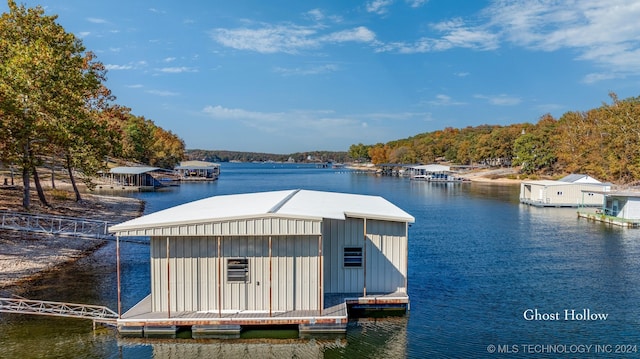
x=565 y=194
x=386 y=256
x=340 y=234
x=236 y=227
x=194 y=264
x=629 y=207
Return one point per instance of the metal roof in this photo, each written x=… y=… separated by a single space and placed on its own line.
x=197 y=164
x=294 y=204
x=552 y=183
x=432 y=168
x=578 y=178
x=132 y=170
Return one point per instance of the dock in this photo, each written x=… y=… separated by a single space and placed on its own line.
x=140 y=321
x=616 y=221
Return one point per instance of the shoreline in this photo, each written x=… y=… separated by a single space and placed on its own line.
x=26 y=256
x=496 y=176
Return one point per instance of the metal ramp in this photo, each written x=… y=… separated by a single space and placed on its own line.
x=55 y=225
x=97 y=313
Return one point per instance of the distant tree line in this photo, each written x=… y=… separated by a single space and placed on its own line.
x=55 y=108
x=603 y=142
x=298 y=157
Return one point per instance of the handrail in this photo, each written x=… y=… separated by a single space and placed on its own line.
x=59 y=309
x=56 y=225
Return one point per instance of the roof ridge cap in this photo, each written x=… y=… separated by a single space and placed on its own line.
x=284 y=201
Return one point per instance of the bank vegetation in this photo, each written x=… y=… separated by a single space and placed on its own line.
x=57 y=111
x=603 y=142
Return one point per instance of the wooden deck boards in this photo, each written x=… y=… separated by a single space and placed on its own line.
x=334 y=313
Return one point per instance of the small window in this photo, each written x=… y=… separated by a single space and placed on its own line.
x=559 y=193
x=238 y=270
x=353 y=257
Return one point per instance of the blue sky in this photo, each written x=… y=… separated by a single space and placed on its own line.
x=293 y=76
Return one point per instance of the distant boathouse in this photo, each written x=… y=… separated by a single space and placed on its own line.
x=197 y=171
x=292 y=257
x=574 y=190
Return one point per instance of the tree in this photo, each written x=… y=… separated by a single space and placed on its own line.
x=535 y=150
x=379 y=153
x=359 y=152
x=46 y=80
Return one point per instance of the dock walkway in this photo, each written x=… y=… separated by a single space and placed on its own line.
x=97 y=313
x=55 y=225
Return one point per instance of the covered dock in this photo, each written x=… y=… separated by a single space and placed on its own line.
x=130 y=179
x=197 y=171
x=292 y=257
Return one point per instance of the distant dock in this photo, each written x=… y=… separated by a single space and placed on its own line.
x=616 y=221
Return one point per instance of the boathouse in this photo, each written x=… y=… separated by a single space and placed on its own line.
x=621 y=208
x=575 y=190
x=130 y=179
x=198 y=171
x=291 y=257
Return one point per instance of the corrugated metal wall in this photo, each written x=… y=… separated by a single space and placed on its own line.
x=195 y=268
x=246 y=226
x=386 y=256
x=630 y=207
x=569 y=194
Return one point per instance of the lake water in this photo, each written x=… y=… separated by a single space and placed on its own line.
x=488 y=277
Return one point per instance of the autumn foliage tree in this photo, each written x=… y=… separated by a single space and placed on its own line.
x=43 y=81
x=53 y=103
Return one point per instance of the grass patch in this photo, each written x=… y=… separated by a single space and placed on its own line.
x=60 y=195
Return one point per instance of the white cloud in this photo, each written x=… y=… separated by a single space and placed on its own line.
x=269 y=39
x=312 y=70
x=454 y=34
x=301 y=123
x=118 y=67
x=316 y=14
x=162 y=93
x=378 y=6
x=169 y=59
x=417 y=3
x=500 y=100
x=287 y=39
x=444 y=100
x=596 y=77
x=604 y=32
x=97 y=20
x=177 y=70
x=358 y=34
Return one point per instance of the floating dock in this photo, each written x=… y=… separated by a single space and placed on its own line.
x=616 y=221
x=139 y=321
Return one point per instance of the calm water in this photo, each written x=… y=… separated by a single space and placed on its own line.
x=478 y=260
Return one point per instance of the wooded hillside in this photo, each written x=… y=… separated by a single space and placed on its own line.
x=603 y=142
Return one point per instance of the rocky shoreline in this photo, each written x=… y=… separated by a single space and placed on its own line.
x=25 y=256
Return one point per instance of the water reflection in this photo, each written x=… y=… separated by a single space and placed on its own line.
x=365 y=338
